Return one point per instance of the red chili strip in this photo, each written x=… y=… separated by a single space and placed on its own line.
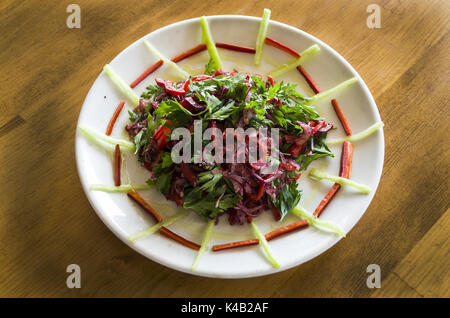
x=346 y=159
x=118 y=160
x=165 y=231
x=114 y=118
x=341 y=117
x=146 y=73
x=197 y=49
x=346 y=166
x=269 y=236
x=323 y=204
x=140 y=200
x=309 y=80
x=280 y=46
x=226 y=246
x=236 y=48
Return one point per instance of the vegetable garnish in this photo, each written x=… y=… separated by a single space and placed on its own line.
x=309 y=79
x=122 y=188
x=155 y=228
x=341 y=117
x=345 y=170
x=182 y=73
x=104 y=141
x=140 y=200
x=280 y=46
x=197 y=49
x=215 y=61
x=114 y=118
x=313 y=221
x=356 y=137
x=332 y=90
x=263 y=26
x=117 y=159
x=265 y=246
x=168 y=233
x=269 y=236
x=328 y=197
x=236 y=48
x=146 y=73
x=205 y=243
x=286 y=229
x=319 y=175
x=121 y=85
x=225 y=246
x=290 y=65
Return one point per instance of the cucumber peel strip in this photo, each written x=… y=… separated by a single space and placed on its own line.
x=262 y=240
x=264 y=25
x=155 y=228
x=183 y=74
x=104 y=141
x=121 y=188
x=205 y=243
x=121 y=85
x=317 y=174
x=315 y=222
x=330 y=91
x=290 y=65
x=210 y=44
x=363 y=134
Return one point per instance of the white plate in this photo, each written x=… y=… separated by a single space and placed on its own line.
x=124 y=217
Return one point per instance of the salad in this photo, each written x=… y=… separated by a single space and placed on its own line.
x=227 y=100
x=227 y=144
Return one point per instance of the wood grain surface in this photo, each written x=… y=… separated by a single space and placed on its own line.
x=46 y=222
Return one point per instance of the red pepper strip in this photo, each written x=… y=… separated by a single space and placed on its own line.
x=269 y=236
x=270 y=79
x=309 y=80
x=323 y=204
x=225 y=246
x=161 y=136
x=346 y=159
x=170 y=87
x=286 y=229
x=114 y=118
x=200 y=78
x=140 y=200
x=117 y=166
x=278 y=45
x=146 y=73
x=318 y=126
x=346 y=166
x=236 y=48
x=165 y=231
x=188 y=53
x=341 y=117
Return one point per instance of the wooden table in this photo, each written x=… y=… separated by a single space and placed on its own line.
x=47 y=223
